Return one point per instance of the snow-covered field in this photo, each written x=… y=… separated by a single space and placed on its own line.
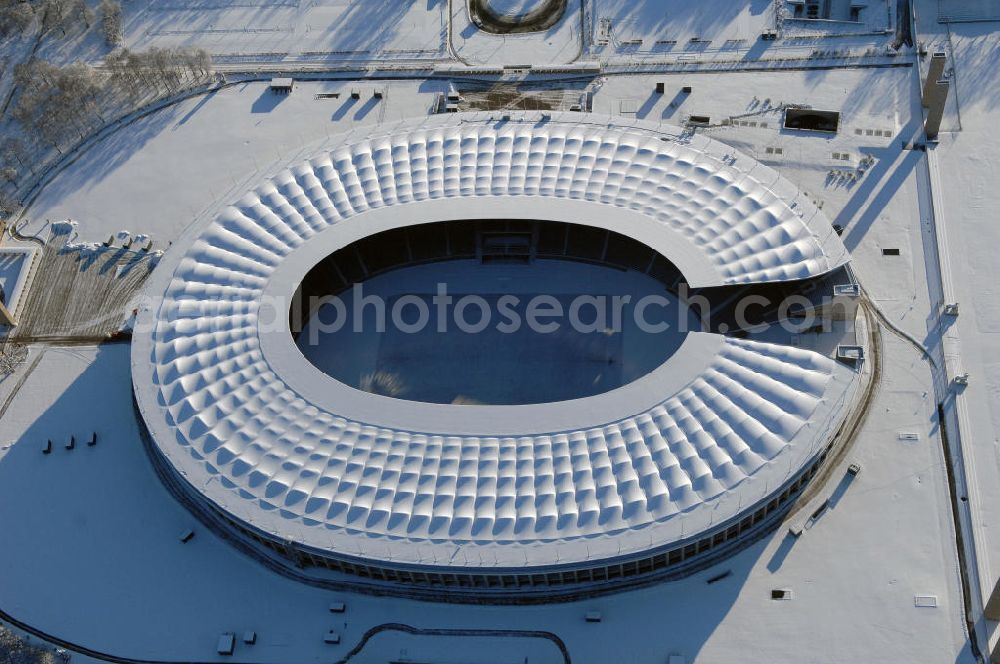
x=493 y=366
x=90 y=550
x=514 y=7
x=561 y=44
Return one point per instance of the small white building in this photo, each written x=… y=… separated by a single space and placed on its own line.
x=282 y=86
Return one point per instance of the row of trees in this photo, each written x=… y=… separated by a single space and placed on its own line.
x=165 y=70
x=62 y=15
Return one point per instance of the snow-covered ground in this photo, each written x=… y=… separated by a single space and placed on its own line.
x=213 y=147
x=94 y=539
x=90 y=549
x=665 y=26
x=964 y=171
x=275 y=30
x=210 y=148
x=679 y=31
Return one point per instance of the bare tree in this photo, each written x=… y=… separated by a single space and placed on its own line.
x=83 y=13
x=112 y=23
x=64 y=14
x=79 y=89
x=8 y=204
x=56 y=14
x=15 y=17
x=14 y=150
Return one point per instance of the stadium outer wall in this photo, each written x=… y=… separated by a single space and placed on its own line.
x=535 y=585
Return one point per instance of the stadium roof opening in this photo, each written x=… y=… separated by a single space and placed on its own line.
x=491 y=312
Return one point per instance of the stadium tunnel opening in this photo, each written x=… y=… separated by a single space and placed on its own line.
x=808 y=119
x=491 y=312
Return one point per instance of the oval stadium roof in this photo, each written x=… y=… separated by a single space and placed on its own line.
x=247 y=422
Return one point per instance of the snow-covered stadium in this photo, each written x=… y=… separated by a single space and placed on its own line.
x=650 y=478
x=492 y=331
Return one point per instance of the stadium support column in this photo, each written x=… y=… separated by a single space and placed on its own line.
x=935 y=108
x=934 y=74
